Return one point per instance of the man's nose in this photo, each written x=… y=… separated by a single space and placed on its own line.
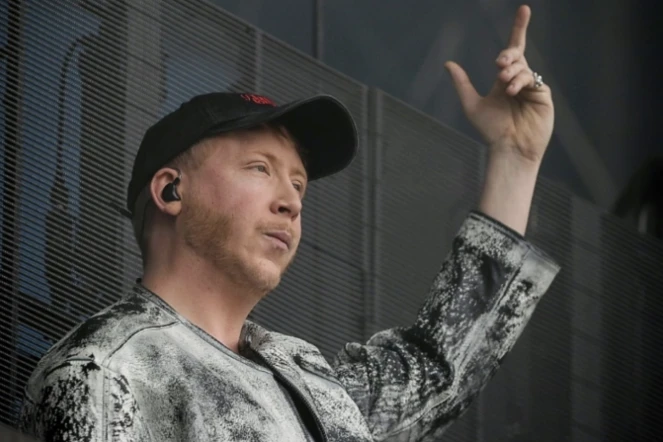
x=288 y=202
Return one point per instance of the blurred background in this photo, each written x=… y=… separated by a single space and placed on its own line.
x=80 y=81
x=601 y=58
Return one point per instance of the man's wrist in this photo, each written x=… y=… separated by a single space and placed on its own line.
x=509 y=187
x=512 y=154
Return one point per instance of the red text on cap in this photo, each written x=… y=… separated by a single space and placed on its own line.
x=258 y=99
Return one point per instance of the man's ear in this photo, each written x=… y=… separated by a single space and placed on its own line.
x=164 y=178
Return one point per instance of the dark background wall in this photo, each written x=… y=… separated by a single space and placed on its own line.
x=602 y=57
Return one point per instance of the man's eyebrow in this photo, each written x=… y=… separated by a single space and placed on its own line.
x=297 y=169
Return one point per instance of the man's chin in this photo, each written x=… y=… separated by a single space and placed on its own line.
x=267 y=276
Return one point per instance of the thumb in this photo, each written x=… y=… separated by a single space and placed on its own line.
x=466 y=92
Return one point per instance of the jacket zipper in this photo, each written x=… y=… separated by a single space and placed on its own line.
x=293 y=390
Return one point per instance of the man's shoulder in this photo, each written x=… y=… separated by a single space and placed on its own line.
x=66 y=393
x=98 y=338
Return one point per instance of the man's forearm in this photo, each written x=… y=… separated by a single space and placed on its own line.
x=509 y=187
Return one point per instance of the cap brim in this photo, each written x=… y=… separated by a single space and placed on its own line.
x=322 y=125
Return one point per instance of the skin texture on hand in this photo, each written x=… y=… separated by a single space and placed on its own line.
x=516 y=120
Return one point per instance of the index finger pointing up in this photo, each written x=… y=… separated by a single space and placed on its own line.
x=519 y=30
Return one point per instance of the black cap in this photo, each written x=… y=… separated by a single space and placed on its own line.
x=322 y=125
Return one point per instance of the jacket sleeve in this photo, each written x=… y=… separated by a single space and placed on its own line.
x=410 y=383
x=79 y=401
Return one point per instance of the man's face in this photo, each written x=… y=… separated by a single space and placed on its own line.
x=242 y=210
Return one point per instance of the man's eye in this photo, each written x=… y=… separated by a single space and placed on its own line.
x=298 y=187
x=260 y=168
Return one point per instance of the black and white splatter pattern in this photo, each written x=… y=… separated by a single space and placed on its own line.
x=138 y=371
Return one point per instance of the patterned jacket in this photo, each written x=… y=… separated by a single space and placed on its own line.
x=138 y=371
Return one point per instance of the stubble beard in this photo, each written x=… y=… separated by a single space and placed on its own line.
x=207 y=233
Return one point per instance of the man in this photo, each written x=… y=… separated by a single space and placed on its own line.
x=216 y=198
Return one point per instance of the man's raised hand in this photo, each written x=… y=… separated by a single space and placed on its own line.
x=516 y=116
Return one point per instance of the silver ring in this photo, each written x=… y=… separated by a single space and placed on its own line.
x=538 y=80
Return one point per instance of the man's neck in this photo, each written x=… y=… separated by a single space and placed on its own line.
x=213 y=303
